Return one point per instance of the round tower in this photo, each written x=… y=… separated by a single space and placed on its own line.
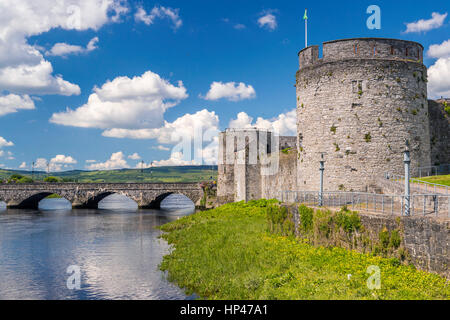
x=358 y=104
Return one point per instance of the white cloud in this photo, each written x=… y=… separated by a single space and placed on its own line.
x=62 y=159
x=139 y=102
x=134 y=156
x=91 y=161
x=23 y=69
x=199 y=130
x=171 y=132
x=176 y=159
x=12 y=103
x=9 y=154
x=439 y=78
x=161 y=13
x=268 y=21
x=231 y=91
x=35 y=79
x=239 y=26
x=64 y=49
x=23 y=165
x=56 y=164
x=162 y=148
x=41 y=163
x=440 y=50
x=436 y=21
x=284 y=124
x=117 y=161
x=4 y=143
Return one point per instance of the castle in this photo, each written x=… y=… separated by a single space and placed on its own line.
x=357 y=105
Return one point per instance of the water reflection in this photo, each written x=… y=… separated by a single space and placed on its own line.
x=117 y=202
x=118 y=253
x=178 y=203
x=2 y=206
x=54 y=204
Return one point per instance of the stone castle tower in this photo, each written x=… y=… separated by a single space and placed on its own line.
x=358 y=104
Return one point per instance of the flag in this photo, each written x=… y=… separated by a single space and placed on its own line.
x=305 y=17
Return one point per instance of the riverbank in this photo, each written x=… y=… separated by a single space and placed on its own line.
x=228 y=253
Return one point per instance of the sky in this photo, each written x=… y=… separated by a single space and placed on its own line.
x=109 y=84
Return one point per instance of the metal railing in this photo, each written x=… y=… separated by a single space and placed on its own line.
x=420 y=186
x=421 y=172
x=428 y=205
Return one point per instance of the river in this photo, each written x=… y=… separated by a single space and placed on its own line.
x=115 y=251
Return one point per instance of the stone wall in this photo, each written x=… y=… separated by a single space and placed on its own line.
x=426 y=240
x=284 y=179
x=359 y=104
x=252 y=167
x=439 y=132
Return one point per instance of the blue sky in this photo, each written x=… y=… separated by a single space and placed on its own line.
x=249 y=48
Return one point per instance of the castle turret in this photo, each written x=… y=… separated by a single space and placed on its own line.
x=358 y=104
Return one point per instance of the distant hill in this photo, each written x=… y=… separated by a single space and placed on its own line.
x=159 y=174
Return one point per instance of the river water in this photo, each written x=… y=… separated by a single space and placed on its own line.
x=115 y=251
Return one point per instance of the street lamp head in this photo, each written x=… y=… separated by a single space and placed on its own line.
x=406 y=145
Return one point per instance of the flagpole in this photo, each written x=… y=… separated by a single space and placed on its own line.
x=306 y=33
x=305 y=17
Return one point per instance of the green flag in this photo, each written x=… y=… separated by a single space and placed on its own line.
x=305 y=17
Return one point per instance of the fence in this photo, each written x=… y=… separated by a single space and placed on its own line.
x=420 y=204
x=419 y=186
x=431 y=171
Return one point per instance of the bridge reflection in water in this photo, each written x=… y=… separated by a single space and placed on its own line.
x=173 y=204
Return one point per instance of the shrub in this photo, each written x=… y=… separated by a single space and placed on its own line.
x=280 y=220
x=322 y=222
x=52 y=179
x=384 y=238
x=306 y=218
x=25 y=180
x=348 y=221
x=395 y=240
x=447 y=108
x=368 y=137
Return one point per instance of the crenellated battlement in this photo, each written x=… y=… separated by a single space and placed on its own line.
x=362 y=48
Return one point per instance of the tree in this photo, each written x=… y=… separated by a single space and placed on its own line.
x=25 y=180
x=51 y=179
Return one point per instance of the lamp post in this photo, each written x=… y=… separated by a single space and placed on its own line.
x=32 y=171
x=407 y=162
x=322 y=169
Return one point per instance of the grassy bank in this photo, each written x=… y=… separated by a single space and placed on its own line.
x=444 y=180
x=227 y=253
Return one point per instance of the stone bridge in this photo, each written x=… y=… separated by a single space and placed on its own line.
x=88 y=195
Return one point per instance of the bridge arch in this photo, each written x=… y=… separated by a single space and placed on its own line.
x=32 y=202
x=92 y=202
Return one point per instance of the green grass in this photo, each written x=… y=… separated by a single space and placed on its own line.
x=156 y=175
x=227 y=253
x=444 y=180
x=54 y=196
